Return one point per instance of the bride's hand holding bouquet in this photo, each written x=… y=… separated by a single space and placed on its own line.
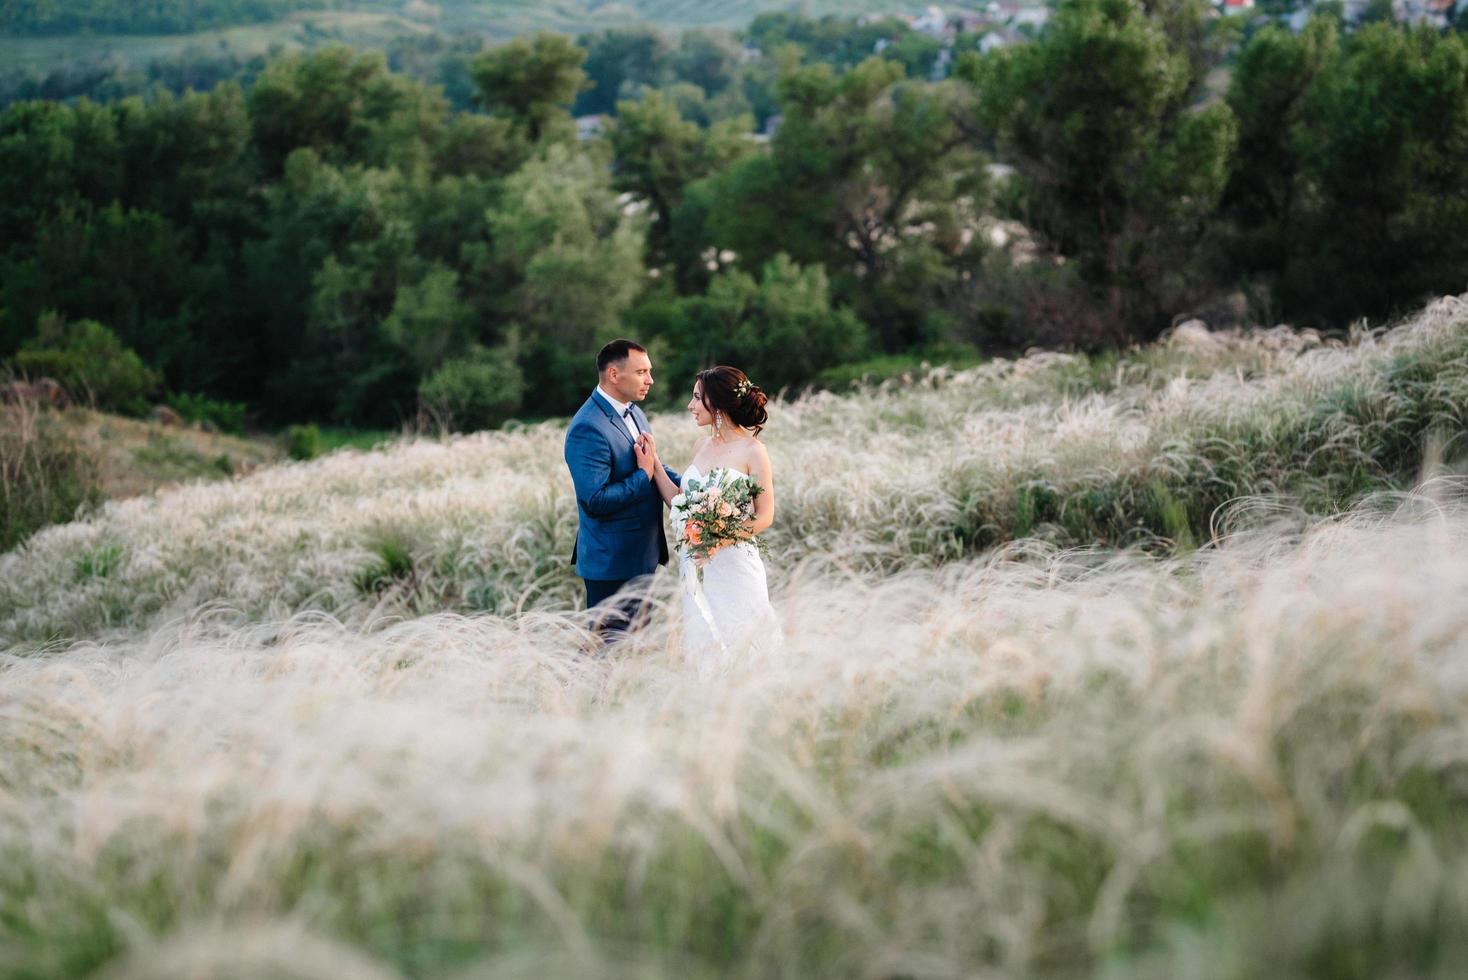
x=709 y=515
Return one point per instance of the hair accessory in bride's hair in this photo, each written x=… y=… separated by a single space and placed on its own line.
x=743 y=387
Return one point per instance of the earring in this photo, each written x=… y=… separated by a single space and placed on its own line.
x=719 y=425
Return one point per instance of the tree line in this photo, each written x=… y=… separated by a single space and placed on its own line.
x=339 y=241
x=68 y=17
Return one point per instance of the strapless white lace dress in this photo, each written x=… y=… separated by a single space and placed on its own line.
x=727 y=614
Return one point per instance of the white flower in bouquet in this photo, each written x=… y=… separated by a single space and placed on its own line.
x=712 y=516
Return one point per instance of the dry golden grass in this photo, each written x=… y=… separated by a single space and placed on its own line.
x=268 y=742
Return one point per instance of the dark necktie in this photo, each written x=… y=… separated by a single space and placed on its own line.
x=628 y=415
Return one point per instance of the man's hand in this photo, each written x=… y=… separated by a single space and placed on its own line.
x=647 y=460
x=650 y=443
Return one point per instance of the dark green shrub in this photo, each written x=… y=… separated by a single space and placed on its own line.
x=303 y=442
x=222 y=416
x=478 y=391
x=781 y=329
x=97 y=562
x=88 y=360
x=393 y=565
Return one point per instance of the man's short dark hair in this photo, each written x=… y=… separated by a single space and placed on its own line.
x=615 y=353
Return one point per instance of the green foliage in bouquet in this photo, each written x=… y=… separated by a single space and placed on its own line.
x=712 y=513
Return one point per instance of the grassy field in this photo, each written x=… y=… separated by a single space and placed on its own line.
x=373 y=24
x=138 y=456
x=1145 y=666
x=363 y=29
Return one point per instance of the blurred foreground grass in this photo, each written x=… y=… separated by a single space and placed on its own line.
x=1247 y=762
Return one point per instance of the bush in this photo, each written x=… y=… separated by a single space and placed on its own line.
x=45 y=475
x=478 y=391
x=221 y=416
x=303 y=442
x=781 y=330
x=90 y=362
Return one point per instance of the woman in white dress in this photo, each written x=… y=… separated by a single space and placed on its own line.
x=726 y=601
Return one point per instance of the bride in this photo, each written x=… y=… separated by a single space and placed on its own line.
x=726 y=602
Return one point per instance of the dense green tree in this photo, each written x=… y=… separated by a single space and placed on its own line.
x=916 y=53
x=53 y=155
x=346 y=107
x=1384 y=172
x=567 y=262
x=323 y=279
x=617 y=58
x=329 y=239
x=476 y=390
x=127 y=268
x=1271 y=79
x=781 y=329
x=838 y=41
x=1121 y=169
x=532 y=82
x=658 y=154
x=430 y=320
x=865 y=177
x=707 y=58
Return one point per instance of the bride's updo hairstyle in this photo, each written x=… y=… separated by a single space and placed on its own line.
x=726 y=389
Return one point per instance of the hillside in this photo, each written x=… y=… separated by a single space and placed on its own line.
x=368 y=24
x=1141 y=450
x=1233 y=748
x=139 y=456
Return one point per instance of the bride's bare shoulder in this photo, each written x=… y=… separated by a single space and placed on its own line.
x=756 y=453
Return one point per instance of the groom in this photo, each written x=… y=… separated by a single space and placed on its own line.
x=620 y=533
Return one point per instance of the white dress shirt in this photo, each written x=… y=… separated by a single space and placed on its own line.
x=621 y=409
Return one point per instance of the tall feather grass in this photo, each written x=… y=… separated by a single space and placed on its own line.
x=1137 y=450
x=1245 y=761
x=1132 y=666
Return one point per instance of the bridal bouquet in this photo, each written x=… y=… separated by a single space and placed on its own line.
x=709 y=515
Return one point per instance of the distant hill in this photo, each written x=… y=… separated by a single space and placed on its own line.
x=66 y=17
x=498 y=17
x=70 y=35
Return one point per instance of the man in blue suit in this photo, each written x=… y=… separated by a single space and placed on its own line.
x=620 y=536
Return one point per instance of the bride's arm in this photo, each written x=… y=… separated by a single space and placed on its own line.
x=764 y=505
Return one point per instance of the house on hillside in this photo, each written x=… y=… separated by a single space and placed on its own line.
x=1351 y=11
x=1036 y=17
x=932 y=22
x=1019 y=14
x=1001 y=38
x=590 y=127
x=1437 y=14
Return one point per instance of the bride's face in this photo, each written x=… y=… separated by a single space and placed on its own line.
x=696 y=408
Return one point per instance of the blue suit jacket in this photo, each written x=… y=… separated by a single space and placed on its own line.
x=620 y=534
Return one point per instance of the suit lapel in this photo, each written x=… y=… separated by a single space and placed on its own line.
x=612 y=417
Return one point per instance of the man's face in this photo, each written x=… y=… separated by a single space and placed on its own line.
x=631 y=380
